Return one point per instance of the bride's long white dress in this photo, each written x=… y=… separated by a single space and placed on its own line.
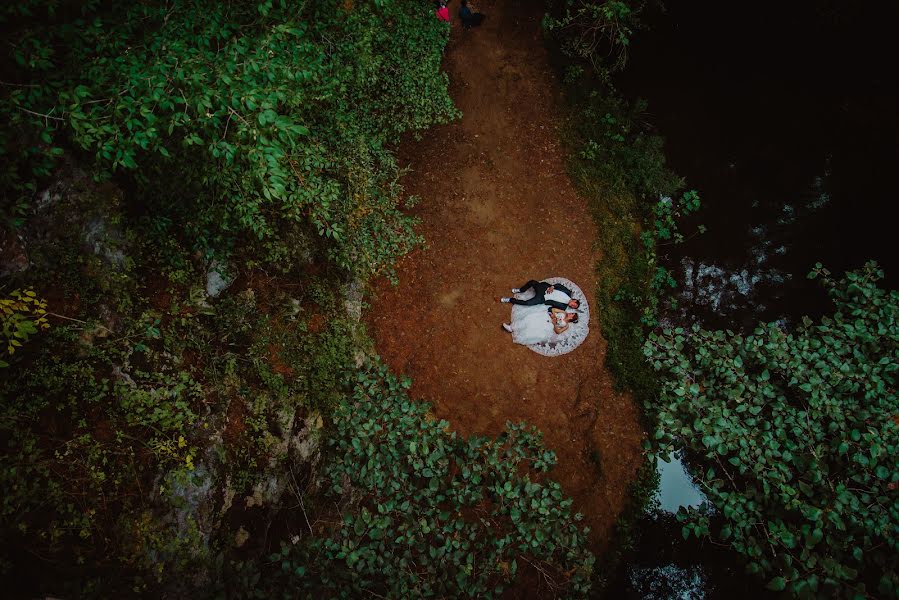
x=532 y=325
x=556 y=344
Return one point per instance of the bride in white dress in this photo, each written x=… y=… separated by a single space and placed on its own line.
x=537 y=324
x=548 y=342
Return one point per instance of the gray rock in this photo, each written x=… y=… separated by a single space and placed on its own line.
x=300 y=438
x=219 y=277
x=267 y=492
x=186 y=526
x=353 y=299
x=306 y=440
x=191 y=494
x=106 y=241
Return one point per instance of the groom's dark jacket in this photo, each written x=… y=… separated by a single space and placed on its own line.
x=540 y=292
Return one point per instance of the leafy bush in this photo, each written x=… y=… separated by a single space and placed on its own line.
x=617 y=162
x=622 y=179
x=800 y=434
x=615 y=141
x=96 y=423
x=599 y=32
x=79 y=434
x=248 y=117
x=257 y=130
x=436 y=514
x=22 y=314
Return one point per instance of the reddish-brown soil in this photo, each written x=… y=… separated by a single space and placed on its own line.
x=497 y=209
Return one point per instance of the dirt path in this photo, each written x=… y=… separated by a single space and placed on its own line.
x=497 y=209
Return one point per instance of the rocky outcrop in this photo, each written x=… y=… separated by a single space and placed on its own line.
x=219 y=277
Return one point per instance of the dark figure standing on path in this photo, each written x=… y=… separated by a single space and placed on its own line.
x=553 y=295
x=469 y=19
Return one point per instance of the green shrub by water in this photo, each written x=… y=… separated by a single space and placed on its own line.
x=798 y=436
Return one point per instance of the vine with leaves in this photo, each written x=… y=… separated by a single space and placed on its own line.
x=434 y=514
x=799 y=432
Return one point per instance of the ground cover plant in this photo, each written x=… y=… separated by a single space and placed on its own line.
x=113 y=440
x=798 y=430
x=617 y=162
x=438 y=515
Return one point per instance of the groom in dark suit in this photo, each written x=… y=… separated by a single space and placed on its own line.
x=551 y=294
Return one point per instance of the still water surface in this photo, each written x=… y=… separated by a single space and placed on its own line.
x=676 y=486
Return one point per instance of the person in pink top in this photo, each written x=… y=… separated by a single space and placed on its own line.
x=442 y=11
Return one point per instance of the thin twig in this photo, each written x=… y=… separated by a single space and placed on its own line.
x=28 y=85
x=239 y=116
x=549 y=580
x=37 y=114
x=299 y=494
x=228 y=122
x=51 y=314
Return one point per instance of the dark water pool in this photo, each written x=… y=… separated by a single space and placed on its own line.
x=664 y=566
x=784 y=117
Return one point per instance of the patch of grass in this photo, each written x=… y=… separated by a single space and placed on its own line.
x=617 y=164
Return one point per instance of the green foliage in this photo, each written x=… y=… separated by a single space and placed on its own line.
x=799 y=433
x=251 y=118
x=632 y=195
x=257 y=131
x=22 y=314
x=436 y=514
x=617 y=163
x=665 y=214
x=598 y=32
x=615 y=141
x=81 y=436
x=98 y=418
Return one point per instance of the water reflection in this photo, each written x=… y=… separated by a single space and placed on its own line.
x=669 y=582
x=665 y=566
x=676 y=486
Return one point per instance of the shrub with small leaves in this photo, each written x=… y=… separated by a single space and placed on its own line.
x=438 y=514
x=22 y=314
x=598 y=31
x=798 y=433
x=230 y=119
